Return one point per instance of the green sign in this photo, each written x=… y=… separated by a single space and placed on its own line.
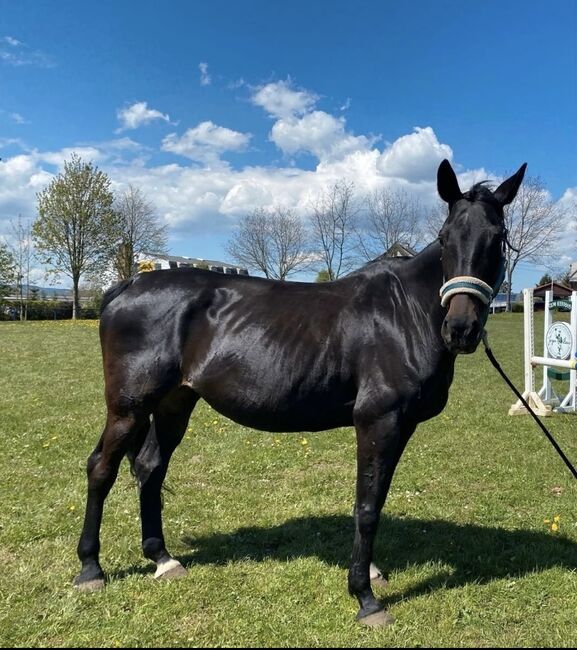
x=561 y=305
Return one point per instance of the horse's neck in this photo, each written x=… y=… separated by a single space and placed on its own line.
x=422 y=278
x=424 y=274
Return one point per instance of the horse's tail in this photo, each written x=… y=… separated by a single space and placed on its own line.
x=114 y=292
x=144 y=457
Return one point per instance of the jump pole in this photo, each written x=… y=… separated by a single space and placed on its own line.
x=539 y=400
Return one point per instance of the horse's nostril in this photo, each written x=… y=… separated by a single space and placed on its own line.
x=459 y=327
x=460 y=331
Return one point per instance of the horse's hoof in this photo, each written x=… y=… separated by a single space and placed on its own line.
x=89 y=585
x=170 y=570
x=377 y=619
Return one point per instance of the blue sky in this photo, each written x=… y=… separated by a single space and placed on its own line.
x=216 y=108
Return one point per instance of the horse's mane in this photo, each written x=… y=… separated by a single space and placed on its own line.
x=480 y=192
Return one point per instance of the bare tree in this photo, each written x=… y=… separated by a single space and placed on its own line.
x=334 y=223
x=532 y=220
x=564 y=278
x=391 y=216
x=22 y=254
x=434 y=219
x=271 y=241
x=139 y=231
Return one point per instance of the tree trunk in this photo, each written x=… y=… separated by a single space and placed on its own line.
x=75 y=299
x=509 y=276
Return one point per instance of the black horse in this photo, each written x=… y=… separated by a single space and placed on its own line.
x=375 y=349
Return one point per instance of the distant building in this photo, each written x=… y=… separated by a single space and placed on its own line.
x=159 y=262
x=499 y=302
x=558 y=290
x=400 y=250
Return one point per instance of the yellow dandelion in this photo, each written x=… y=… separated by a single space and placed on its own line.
x=556 y=518
x=554 y=527
x=304 y=442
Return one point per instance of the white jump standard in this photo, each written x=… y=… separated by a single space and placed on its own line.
x=559 y=351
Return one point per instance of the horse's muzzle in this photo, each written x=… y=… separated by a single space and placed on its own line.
x=462 y=329
x=461 y=339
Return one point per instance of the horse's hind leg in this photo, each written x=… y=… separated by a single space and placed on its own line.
x=169 y=424
x=102 y=470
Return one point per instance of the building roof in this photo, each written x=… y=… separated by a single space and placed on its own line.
x=179 y=259
x=400 y=250
x=559 y=290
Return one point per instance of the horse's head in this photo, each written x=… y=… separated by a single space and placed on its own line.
x=473 y=240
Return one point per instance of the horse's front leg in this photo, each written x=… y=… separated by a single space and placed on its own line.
x=380 y=442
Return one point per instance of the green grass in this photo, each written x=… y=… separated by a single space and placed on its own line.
x=263 y=523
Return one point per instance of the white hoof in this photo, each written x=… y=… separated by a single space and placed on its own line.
x=170 y=569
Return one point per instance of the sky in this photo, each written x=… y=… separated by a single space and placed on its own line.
x=215 y=108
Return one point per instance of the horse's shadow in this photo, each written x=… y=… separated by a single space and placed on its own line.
x=476 y=554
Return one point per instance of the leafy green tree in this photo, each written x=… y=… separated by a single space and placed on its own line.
x=75 y=231
x=323 y=276
x=7 y=270
x=545 y=279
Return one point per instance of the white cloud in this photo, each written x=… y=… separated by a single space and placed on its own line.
x=23 y=175
x=346 y=105
x=566 y=241
x=18 y=119
x=138 y=114
x=415 y=156
x=16 y=53
x=280 y=100
x=9 y=142
x=206 y=197
x=205 y=78
x=206 y=142
x=235 y=85
x=14 y=117
x=10 y=40
x=300 y=128
x=318 y=133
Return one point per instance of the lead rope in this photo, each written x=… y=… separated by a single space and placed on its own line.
x=524 y=402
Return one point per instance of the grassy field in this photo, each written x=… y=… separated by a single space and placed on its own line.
x=263 y=521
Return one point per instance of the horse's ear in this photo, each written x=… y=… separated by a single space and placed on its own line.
x=508 y=189
x=447 y=183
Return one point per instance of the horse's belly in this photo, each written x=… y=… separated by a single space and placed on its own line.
x=279 y=404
